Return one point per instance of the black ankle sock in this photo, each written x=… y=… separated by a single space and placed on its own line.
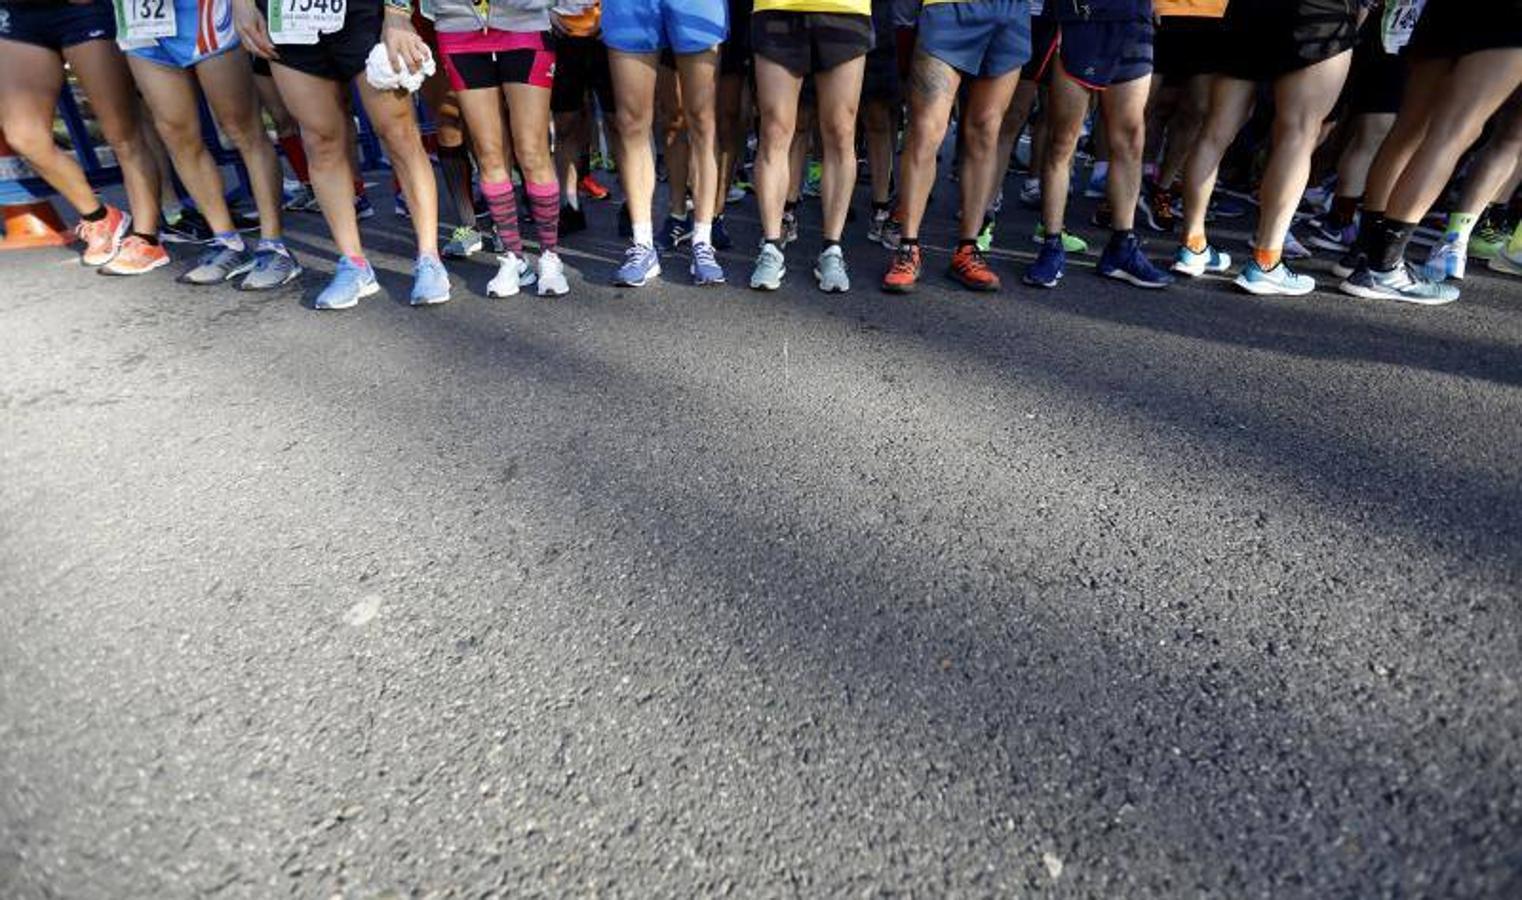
x=1390 y=244
x=1118 y=236
x=775 y=242
x=827 y=244
x=150 y=239
x=879 y=207
x=100 y=213
x=909 y=242
x=966 y=242
x=1368 y=228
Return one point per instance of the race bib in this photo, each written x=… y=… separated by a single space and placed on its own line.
x=301 y=21
x=1399 y=21
x=141 y=20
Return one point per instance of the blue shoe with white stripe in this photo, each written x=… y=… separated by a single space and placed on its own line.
x=1187 y=262
x=1276 y=282
x=1124 y=261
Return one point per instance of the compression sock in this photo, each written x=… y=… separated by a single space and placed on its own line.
x=544 y=204
x=296 y=155
x=455 y=164
x=503 y=206
x=1389 y=247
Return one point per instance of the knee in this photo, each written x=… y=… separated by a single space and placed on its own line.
x=30 y=139
x=631 y=121
x=180 y=135
x=1128 y=142
x=776 y=134
x=839 y=131
x=326 y=146
x=1297 y=131
x=701 y=124
x=982 y=127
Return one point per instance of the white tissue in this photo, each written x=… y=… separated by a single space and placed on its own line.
x=382 y=76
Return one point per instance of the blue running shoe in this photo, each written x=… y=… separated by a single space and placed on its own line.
x=350 y=282
x=1399 y=284
x=1124 y=261
x=1276 y=282
x=641 y=263
x=721 y=238
x=1046 y=271
x=674 y=233
x=363 y=208
x=430 y=282
x=1187 y=262
x=705 y=267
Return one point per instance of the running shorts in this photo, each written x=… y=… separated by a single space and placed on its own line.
x=1044 y=45
x=57 y=25
x=1186 y=46
x=682 y=26
x=1099 y=53
x=581 y=66
x=203 y=29
x=734 y=56
x=1449 y=29
x=983 y=39
x=881 y=81
x=1266 y=39
x=805 y=43
x=1377 y=80
x=340 y=55
x=476 y=60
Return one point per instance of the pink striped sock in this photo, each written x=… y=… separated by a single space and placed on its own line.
x=544 y=202
x=503 y=207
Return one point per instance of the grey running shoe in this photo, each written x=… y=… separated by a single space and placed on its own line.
x=219 y=263
x=770 y=266
x=272 y=268
x=830 y=271
x=1398 y=284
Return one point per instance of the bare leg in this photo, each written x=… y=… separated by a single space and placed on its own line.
x=987 y=101
x=171 y=95
x=317 y=105
x=838 y=92
x=932 y=91
x=1303 y=99
x=1125 y=108
x=777 y=91
x=1231 y=102
x=699 y=73
x=228 y=84
x=634 y=88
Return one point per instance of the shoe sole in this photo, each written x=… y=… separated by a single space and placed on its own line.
x=1132 y=280
x=1504 y=266
x=653 y=273
x=113 y=273
x=290 y=277
x=368 y=290
x=1031 y=282
x=553 y=292
x=428 y=301
x=834 y=289
x=980 y=287
x=1269 y=290
x=765 y=285
x=241 y=270
x=899 y=288
x=1375 y=294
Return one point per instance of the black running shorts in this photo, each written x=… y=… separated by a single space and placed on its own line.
x=1267 y=39
x=805 y=43
x=339 y=56
x=581 y=67
x=1449 y=29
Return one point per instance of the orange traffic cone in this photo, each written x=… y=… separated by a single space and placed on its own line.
x=33 y=224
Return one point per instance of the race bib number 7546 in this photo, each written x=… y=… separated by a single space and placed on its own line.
x=301 y=21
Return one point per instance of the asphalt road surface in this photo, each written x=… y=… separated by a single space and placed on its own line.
x=680 y=592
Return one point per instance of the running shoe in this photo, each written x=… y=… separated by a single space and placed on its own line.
x=893 y=233
x=1226 y=207
x=985 y=239
x=1507 y=262
x=1293 y=249
x=1071 y=243
x=1446 y=260
x=904 y=270
x=136 y=257
x=1030 y=192
x=674 y=233
x=430 y=282
x=592 y=187
x=1094 y=188
x=188 y=227
x=1188 y=262
x=1048 y=267
x=363 y=208
x=770 y=267
x=830 y=271
x=219 y=263
x=1349 y=262
x=551 y=279
x=274 y=266
x=1327 y=234
x=104 y=237
x=721 y=238
x=245 y=219
x=812 y=178
x=997 y=206
x=572 y=220
x=1125 y=261
x=1278 y=281
x=464 y=241
x=1398 y=284
x=880 y=217
x=641 y=263
x=1156 y=206
x=735 y=195
x=400 y=207
x=509 y=277
x=970 y=269
x=350 y=283
x=789 y=227
x=705 y=268
x=1489 y=239
x=302 y=199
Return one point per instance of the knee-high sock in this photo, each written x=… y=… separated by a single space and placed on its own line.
x=544 y=202
x=504 y=213
x=455 y=163
x=296 y=155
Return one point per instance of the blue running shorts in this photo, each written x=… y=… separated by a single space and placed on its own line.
x=1099 y=54
x=204 y=29
x=649 y=26
x=979 y=38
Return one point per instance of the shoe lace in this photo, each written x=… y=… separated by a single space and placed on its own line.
x=702 y=254
x=905 y=261
x=635 y=254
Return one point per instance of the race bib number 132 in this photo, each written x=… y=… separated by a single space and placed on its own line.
x=138 y=20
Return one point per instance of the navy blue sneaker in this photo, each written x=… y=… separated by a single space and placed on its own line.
x=721 y=238
x=1046 y=271
x=1124 y=260
x=674 y=233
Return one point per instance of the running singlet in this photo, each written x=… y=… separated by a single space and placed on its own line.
x=844 y=7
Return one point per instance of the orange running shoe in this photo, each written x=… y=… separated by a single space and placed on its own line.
x=593 y=189
x=904 y=271
x=103 y=237
x=970 y=268
x=136 y=257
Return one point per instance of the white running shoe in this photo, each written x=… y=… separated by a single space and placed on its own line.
x=552 y=281
x=507 y=280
